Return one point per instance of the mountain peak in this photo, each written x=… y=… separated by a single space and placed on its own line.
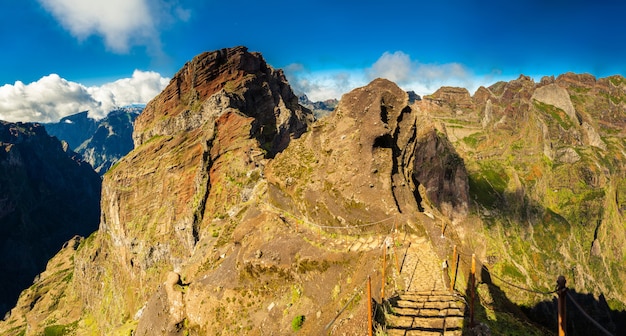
x=215 y=82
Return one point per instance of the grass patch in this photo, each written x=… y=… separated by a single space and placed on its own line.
x=297 y=322
x=474 y=139
x=487 y=186
x=556 y=113
x=60 y=330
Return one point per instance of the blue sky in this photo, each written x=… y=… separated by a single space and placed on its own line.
x=63 y=56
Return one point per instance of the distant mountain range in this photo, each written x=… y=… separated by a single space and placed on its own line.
x=319 y=108
x=100 y=142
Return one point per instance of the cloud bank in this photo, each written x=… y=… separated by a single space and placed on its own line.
x=52 y=97
x=121 y=23
x=398 y=67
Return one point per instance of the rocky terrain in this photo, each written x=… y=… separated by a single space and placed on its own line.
x=236 y=213
x=47 y=195
x=102 y=142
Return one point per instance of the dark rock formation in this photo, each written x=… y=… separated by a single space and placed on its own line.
x=441 y=170
x=46 y=197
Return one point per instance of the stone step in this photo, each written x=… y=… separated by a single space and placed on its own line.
x=436 y=294
x=425 y=322
x=407 y=303
x=403 y=332
x=428 y=312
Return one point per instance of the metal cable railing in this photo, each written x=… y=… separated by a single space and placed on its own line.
x=582 y=311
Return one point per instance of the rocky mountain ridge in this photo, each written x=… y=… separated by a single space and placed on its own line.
x=100 y=142
x=236 y=213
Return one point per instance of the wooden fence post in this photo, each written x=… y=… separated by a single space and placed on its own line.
x=561 y=291
x=472 y=288
x=369 y=305
x=382 y=288
x=443 y=228
x=456 y=266
x=395 y=251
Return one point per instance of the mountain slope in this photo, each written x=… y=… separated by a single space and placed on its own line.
x=547 y=174
x=46 y=197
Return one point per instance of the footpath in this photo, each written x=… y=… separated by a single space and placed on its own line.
x=426 y=306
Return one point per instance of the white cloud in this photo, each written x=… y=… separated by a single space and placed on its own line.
x=52 y=97
x=122 y=23
x=425 y=78
x=322 y=85
x=398 y=67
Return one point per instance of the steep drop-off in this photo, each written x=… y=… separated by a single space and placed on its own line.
x=46 y=197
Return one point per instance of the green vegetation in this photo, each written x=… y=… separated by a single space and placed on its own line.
x=556 y=113
x=487 y=185
x=296 y=293
x=617 y=80
x=60 y=330
x=474 y=139
x=296 y=323
x=613 y=98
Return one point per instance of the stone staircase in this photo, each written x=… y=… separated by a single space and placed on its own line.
x=425 y=313
x=425 y=306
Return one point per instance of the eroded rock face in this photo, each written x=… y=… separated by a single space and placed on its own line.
x=457 y=97
x=537 y=158
x=201 y=146
x=557 y=96
x=245 y=83
x=441 y=170
x=371 y=154
x=228 y=219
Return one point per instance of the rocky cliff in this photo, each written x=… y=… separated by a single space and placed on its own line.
x=46 y=197
x=547 y=171
x=237 y=214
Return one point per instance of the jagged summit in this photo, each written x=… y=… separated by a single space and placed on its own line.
x=371 y=149
x=228 y=79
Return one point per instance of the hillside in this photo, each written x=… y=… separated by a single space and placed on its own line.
x=236 y=213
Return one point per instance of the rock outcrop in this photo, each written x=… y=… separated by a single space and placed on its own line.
x=245 y=83
x=200 y=150
x=374 y=146
x=46 y=197
x=537 y=158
